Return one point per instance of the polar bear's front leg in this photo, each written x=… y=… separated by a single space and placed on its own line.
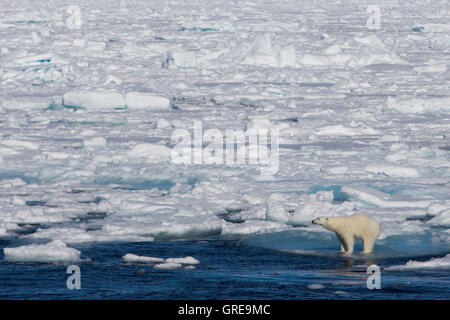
x=341 y=241
x=349 y=242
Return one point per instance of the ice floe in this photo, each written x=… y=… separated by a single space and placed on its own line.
x=419 y=105
x=94 y=100
x=53 y=252
x=129 y=257
x=144 y=100
x=432 y=264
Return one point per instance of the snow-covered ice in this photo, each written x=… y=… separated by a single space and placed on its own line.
x=168 y=266
x=53 y=252
x=130 y=257
x=186 y=260
x=432 y=264
x=87 y=116
x=135 y=100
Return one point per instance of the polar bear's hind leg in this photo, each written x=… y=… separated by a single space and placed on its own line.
x=368 y=246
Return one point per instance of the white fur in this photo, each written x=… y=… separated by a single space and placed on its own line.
x=347 y=228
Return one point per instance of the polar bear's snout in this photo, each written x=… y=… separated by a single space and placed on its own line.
x=319 y=221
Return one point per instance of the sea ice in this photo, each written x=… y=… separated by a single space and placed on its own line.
x=168 y=266
x=432 y=264
x=94 y=100
x=381 y=199
x=186 y=260
x=145 y=100
x=150 y=152
x=419 y=105
x=53 y=252
x=129 y=257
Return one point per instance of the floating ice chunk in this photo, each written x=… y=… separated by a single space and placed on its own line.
x=87 y=133
x=169 y=263
x=300 y=210
x=53 y=252
x=437 y=207
x=262 y=51
x=34 y=60
x=433 y=264
x=287 y=57
x=251 y=227
x=7 y=151
x=340 y=292
x=371 y=40
x=146 y=100
x=79 y=42
x=435 y=27
x=381 y=199
x=95 y=46
x=25 y=103
x=79 y=235
x=150 y=152
x=189 y=268
x=93 y=143
x=129 y=257
x=432 y=68
x=40 y=214
x=18 y=201
x=4 y=230
x=315 y=286
x=186 y=260
x=340 y=130
x=168 y=266
x=11 y=183
x=163 y=124
x=419 y=105
x=441 y=42
x=180 y=59
x=57 y=155
x=19 y=144
x=314 y=60
x=333 y=50
x=338 y=170
x=393 y=170
x=169 y=224
x=94 y=100
x=8 y=56
x=390 y=138
x=256 y=124
x=371 y=51
x=441 y=219
x=275 y=208
x=313 y=209
x=112 y=79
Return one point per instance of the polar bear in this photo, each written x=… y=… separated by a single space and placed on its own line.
x=347 y=228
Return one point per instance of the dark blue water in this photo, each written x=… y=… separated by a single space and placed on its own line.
x=228 y=270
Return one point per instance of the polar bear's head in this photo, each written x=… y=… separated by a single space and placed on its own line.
x=322 y=221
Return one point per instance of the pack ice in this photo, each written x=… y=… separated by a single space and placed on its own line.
x=87 y=116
